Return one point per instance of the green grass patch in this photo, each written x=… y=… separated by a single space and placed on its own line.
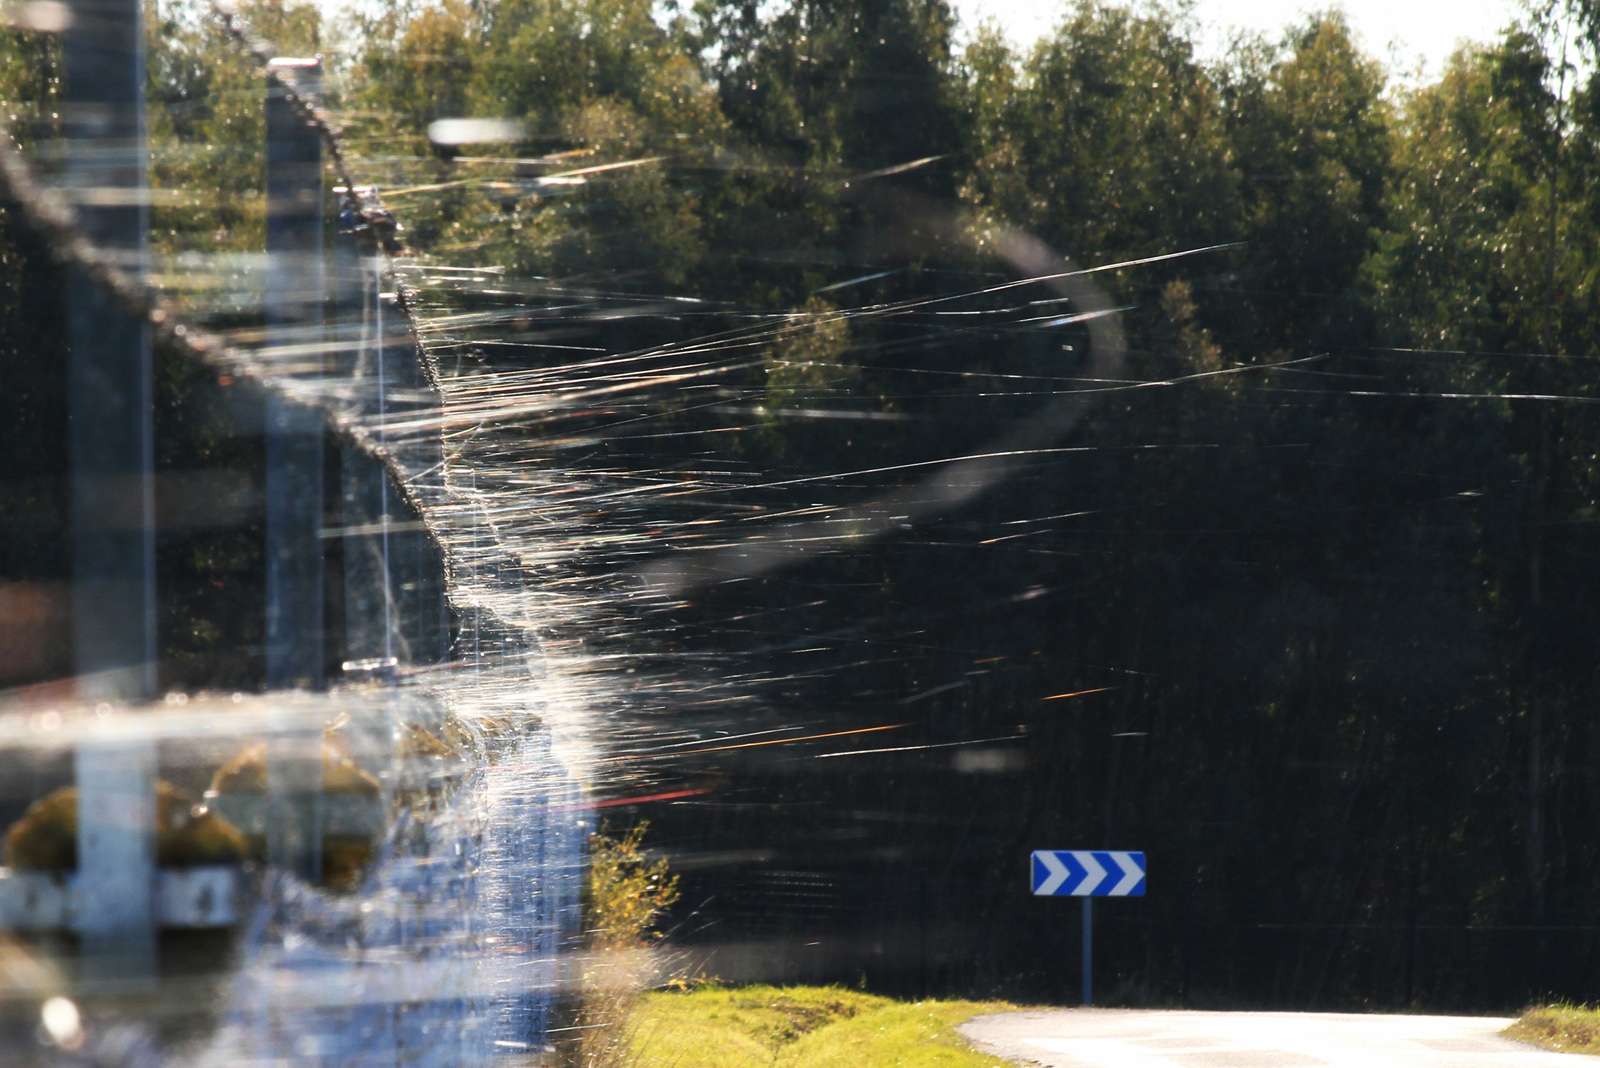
x=1565 y=1028
x=813 y=1026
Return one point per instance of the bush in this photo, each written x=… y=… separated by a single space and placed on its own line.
x=625 y=894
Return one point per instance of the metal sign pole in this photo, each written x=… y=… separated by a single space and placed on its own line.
x=111 y=444
x=1088 y=951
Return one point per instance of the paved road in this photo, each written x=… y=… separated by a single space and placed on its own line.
x=1123 y=1038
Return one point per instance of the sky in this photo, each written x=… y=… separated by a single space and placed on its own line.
x=1425 y=29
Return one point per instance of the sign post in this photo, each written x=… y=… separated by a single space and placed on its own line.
x=1088 y=951
x=1088 y=874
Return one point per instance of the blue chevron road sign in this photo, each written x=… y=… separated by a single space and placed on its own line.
x=1087 y=873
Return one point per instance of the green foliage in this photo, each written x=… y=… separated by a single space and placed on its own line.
x=1464 y=199
x=30 y=84
x=806 y=357
x=626 y=890
x=425 y=74
x=1492 y=208
x=1310 y=127
x=206 y=122
x=831 y=83
x=625 y=893
x=548 y=61
x=1109 y=140
x=1191 y=341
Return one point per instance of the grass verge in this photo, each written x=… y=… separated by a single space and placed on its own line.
x=1564 y=1028
x=787 y=1027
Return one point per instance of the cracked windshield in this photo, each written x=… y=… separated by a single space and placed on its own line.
x=782 y=533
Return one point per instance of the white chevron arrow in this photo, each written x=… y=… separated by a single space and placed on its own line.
x=1093 y=877
x=1058 y=874
x=1131 y=874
